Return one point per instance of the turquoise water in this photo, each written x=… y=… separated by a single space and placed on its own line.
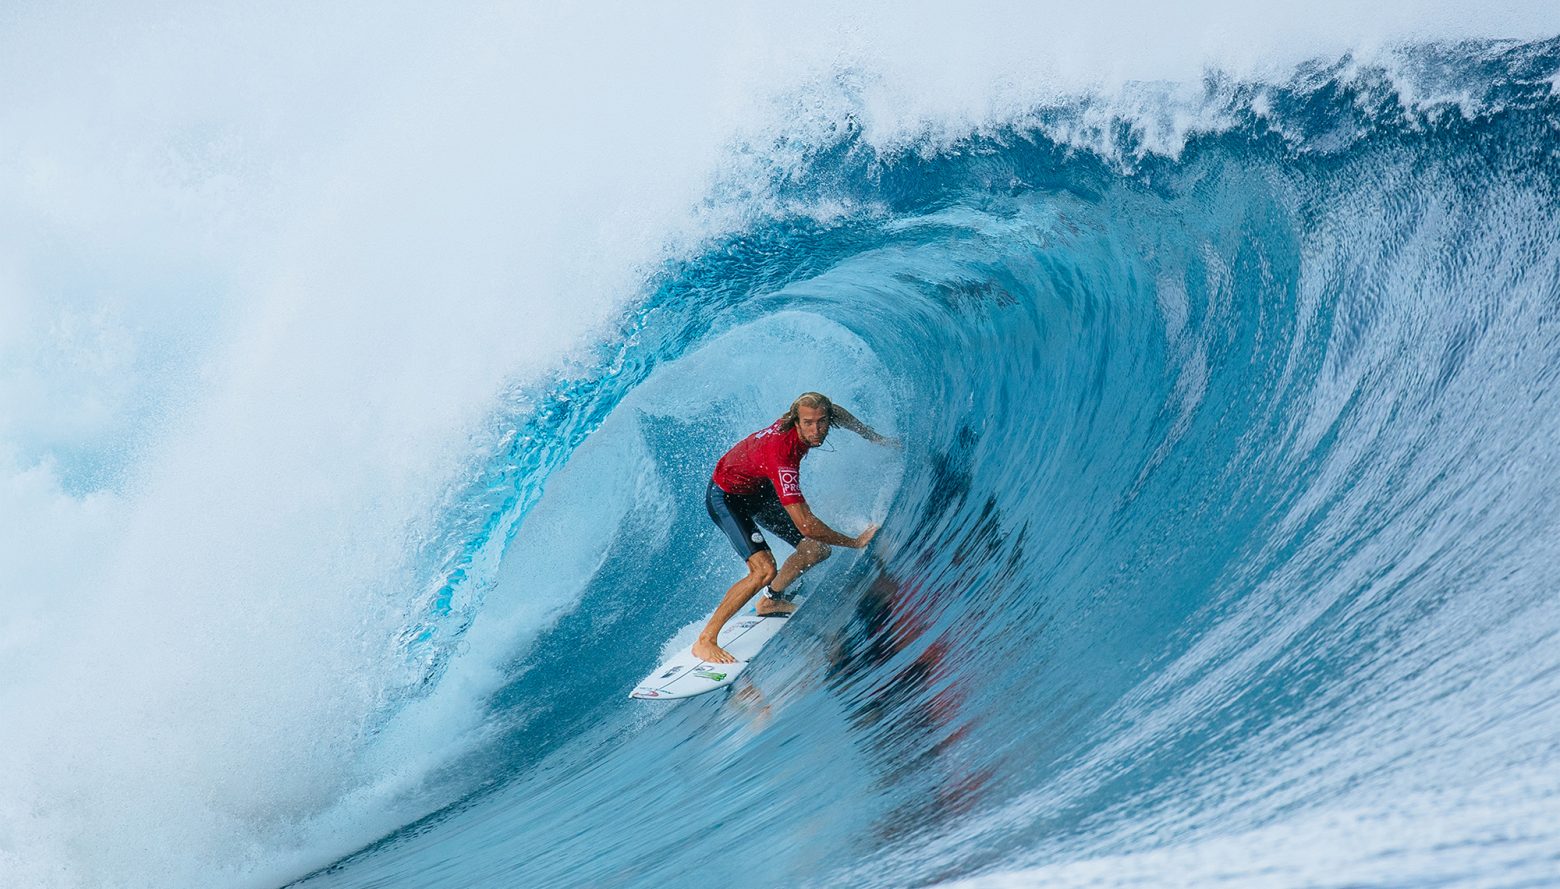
x=1221 y=550
x=362 y=368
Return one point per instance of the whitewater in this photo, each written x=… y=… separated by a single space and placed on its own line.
x=362 y=367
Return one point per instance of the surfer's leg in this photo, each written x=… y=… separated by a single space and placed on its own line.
x=761 y=570
x=773 y=517
x=808 y=553
x=734 y=517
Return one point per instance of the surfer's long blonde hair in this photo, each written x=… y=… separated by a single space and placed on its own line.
x=806 y=399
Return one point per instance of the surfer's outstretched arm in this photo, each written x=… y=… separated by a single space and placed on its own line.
x=848 y=420
x=813 y=528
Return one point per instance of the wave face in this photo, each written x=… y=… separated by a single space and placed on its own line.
x=1222 y=547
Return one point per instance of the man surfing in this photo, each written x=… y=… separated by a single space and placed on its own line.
x=758 y=482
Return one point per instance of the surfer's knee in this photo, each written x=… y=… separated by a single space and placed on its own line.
x=761 y=567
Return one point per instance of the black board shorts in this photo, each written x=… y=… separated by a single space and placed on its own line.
x=739 y=515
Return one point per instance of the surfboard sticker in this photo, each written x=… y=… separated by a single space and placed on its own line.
x=685 y=675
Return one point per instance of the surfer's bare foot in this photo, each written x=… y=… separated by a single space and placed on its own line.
x=707 y=650
x=774 y=606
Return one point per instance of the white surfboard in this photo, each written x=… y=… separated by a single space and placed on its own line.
x=685 y=675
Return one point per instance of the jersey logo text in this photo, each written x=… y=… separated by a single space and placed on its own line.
x=789 y=482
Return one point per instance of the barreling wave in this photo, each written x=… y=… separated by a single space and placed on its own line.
x=1222 y=547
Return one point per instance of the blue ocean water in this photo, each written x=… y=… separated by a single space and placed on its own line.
x=362 y=368
x=1221 y=550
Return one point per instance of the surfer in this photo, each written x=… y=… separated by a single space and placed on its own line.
x=758 y=483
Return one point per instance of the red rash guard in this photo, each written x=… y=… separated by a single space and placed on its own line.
x=768 y=456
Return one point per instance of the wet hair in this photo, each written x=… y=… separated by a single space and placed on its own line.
x=806 y=399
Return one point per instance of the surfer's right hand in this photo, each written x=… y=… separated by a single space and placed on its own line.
x=707 y=650
x=865 y=537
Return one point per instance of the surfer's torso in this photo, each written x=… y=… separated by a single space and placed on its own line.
x=770 y=457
